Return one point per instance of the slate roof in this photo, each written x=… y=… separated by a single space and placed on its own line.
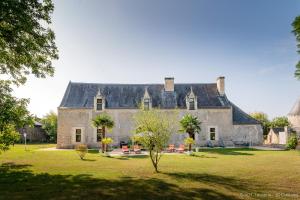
x=277 y=130
x=296 y=109
x=118 y=96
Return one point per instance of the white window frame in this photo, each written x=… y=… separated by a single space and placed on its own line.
x=73 y=135
x=216 y=133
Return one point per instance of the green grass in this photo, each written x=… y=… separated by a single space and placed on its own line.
x=210 y=174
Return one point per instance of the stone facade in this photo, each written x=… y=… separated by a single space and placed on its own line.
x=227 y=134
x=223 y=124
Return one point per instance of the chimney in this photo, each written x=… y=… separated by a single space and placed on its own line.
x=169 y=84
x=221 y=85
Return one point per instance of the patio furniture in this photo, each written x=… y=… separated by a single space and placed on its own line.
x=137 y=149
x=171 y=148
x=125 y=149
x=181 y=148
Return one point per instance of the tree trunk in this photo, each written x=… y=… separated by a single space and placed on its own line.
x=191 y=135
x=154 y=161
x=103 y=136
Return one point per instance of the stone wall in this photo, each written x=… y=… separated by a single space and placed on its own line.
x=221 y=119
x=295 y=121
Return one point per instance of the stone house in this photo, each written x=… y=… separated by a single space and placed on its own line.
x=223 y=123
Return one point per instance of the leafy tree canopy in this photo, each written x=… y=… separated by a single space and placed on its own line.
x=26 y=43
x=154 y=128
x=13 y=110
x=280 y=122
x=296 y=31
x=263 y=118
x=49 y=122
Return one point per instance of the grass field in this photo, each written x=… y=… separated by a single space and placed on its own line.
x=211 y=174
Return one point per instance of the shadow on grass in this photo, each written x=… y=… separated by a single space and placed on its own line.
x=230 y=151
x=202 y=156
x=229 y=183
x=93 y=151
x=124 y=157
x=18 y=182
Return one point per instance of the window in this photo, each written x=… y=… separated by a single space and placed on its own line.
x=78 y=135
x=99 y=104
x=212 y=133
x=146 y=104
x=99 y=135
x=191 y=104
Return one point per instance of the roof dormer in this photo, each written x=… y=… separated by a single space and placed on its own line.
x=99 y=102
x=191 y=100
x=147 y=102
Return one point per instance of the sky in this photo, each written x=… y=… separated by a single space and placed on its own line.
x=142 y=41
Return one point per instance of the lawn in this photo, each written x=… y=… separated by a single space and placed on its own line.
x=210 y=174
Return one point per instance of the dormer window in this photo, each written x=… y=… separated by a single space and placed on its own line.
x=191 y=104
x=147 y=104
x=191 y=101
x=99 y=102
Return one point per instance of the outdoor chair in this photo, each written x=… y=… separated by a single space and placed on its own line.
x=171 y=148
x=125 y=149
x=181 y=148
x=137 y=149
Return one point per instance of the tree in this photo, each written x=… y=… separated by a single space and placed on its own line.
x=13 y=115
x=153 y=129
x=103 y=121
x=296 y=31
x=8 y=136
x=263 y=118
x=26 y=43
x=191 y=125
x=280 y=122
x=49 y=122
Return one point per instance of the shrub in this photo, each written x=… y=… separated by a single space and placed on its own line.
x=189 y=141
x=81 y=149
x=107 y=141
x=292 y=142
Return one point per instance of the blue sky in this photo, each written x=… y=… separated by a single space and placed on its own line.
x=138 y=41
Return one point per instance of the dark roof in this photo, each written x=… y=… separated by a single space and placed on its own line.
x=296 y=108
x=277 y=130
x=81 y=95
x=240 y=117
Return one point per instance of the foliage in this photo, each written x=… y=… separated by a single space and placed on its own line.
x=154 y=128
x=190 y=124
x=82 y=150
x=104 y=121
x=13 y=115
x=296 y=31
x=8 y=136
x=49 y=122
x=106 y=141
x=189 y=141
x=279 y=122
x=292 y=142
x=27 y=44
x=263 y=119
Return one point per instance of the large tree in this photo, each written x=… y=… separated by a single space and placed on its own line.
x=263 y=119
x=296 y=31
x=190 y=124
x=13 y=115
x=26 y=47
x=26 y=42
x=49 y=122
x=103 y=122
x=153 y=129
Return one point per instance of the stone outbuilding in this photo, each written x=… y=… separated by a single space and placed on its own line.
x=294 y=117
x=222 y=122
x=278 y=136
